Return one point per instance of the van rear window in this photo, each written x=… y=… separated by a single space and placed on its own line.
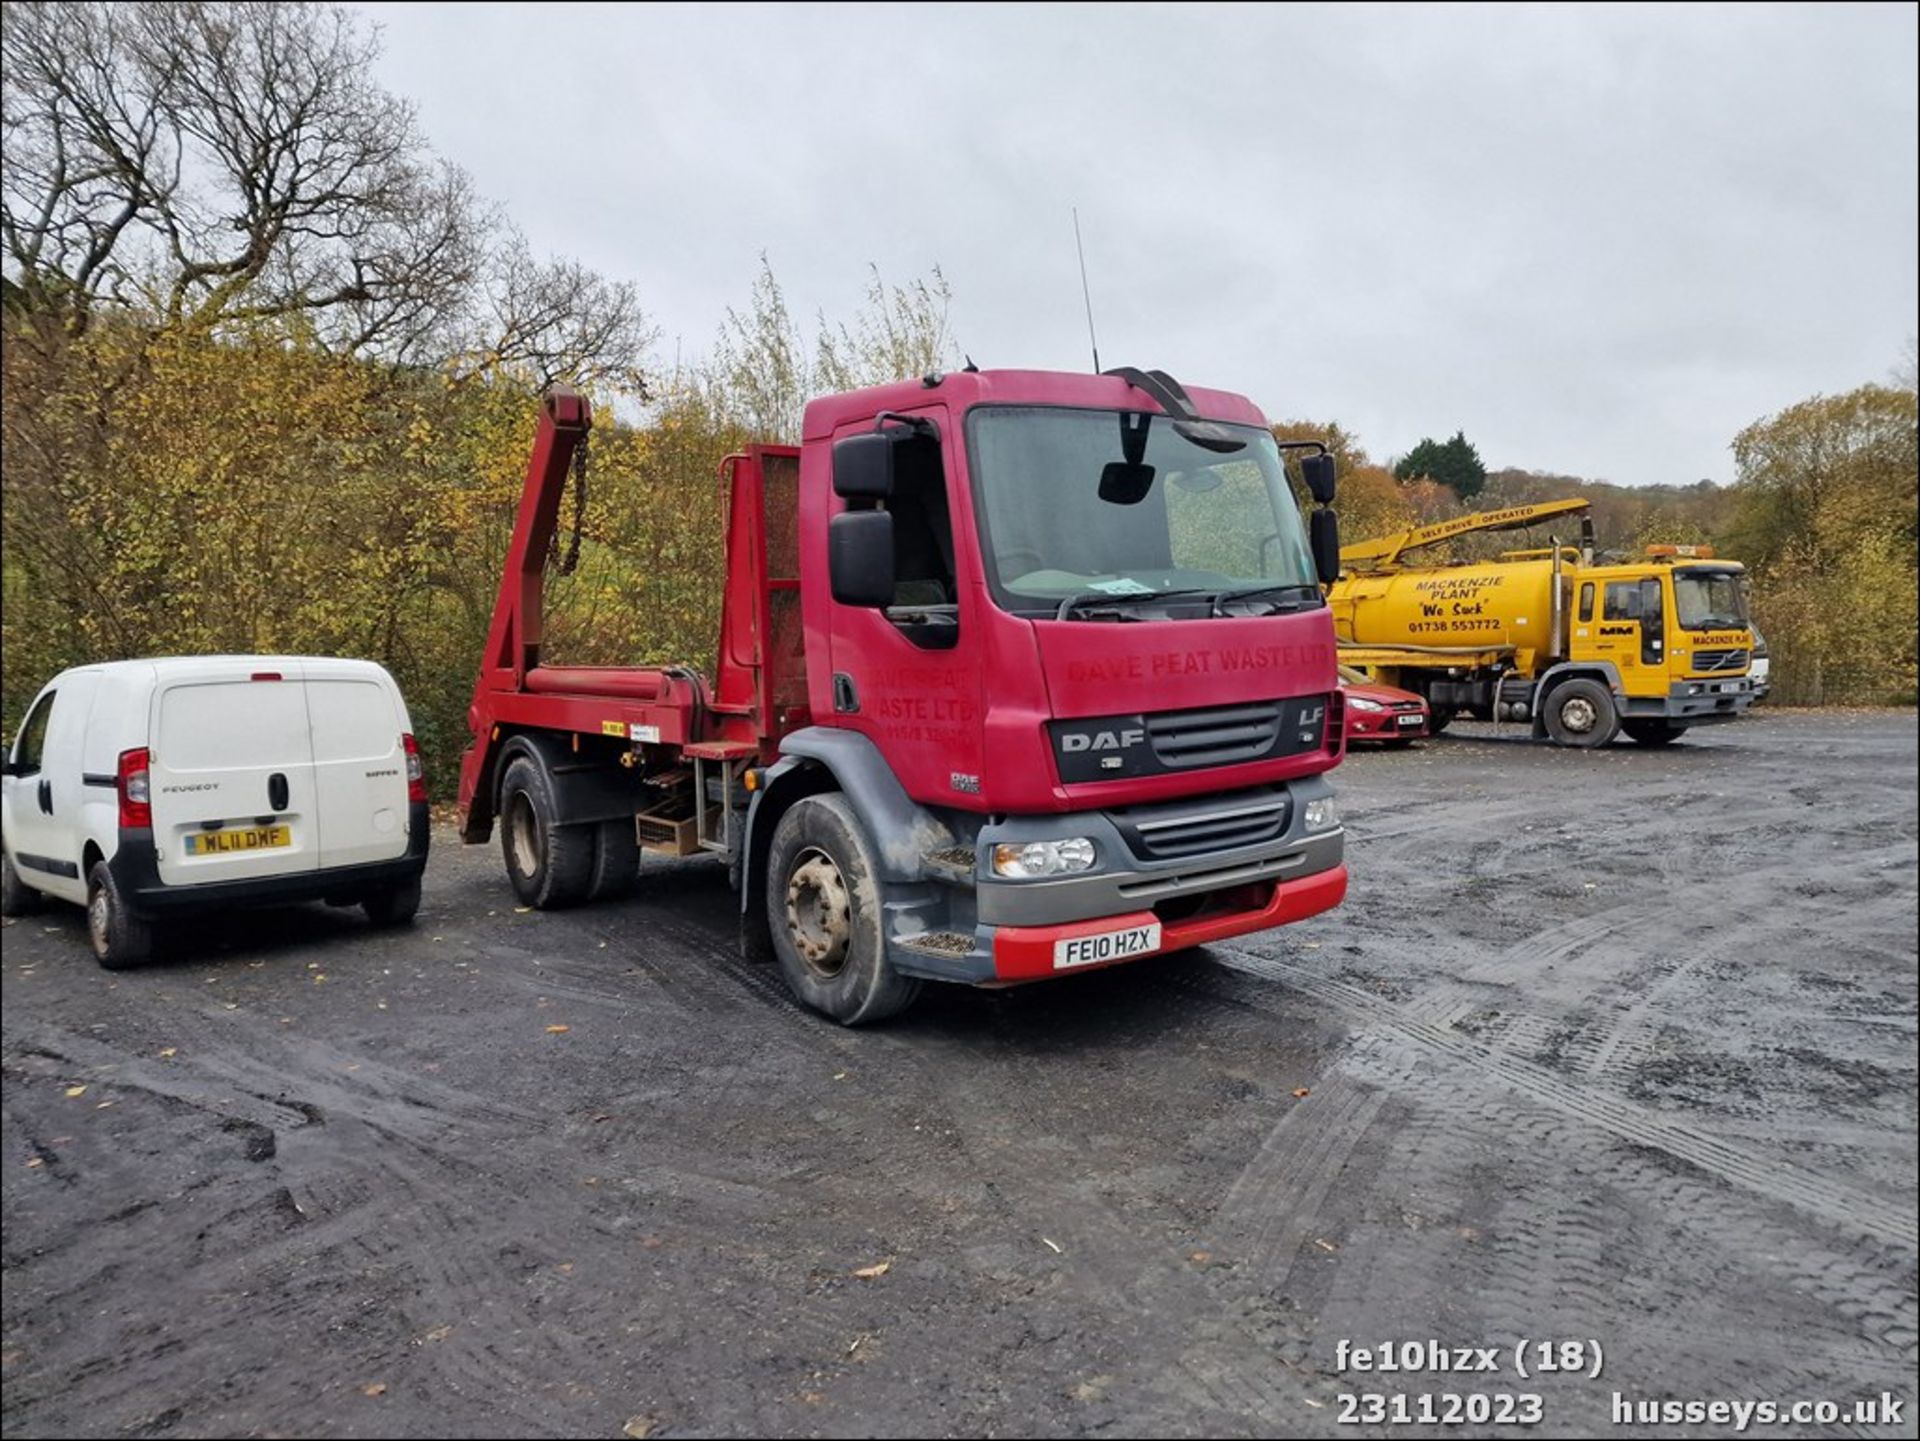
x=353 y=720
x=233 y=725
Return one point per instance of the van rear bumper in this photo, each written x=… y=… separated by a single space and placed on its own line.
x=136 y=869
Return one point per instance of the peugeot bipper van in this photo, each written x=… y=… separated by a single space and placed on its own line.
x=148 y=789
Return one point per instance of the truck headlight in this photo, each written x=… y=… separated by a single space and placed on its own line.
x=1031 y=860
x=1360 y=702
x=1322 y=815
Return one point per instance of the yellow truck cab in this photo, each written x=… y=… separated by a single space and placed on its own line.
x=1584 y=651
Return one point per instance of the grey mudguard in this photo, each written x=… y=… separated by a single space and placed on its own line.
x=900 y=831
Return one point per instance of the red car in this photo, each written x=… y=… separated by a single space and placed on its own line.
x=1382 y=713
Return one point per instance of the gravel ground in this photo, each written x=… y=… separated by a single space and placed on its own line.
x=1613 y=1048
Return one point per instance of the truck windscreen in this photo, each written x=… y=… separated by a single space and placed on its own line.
x=1710 y=599
x=1120 y=507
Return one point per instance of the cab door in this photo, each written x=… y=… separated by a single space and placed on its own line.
x=908 y=674
x=1632 y=633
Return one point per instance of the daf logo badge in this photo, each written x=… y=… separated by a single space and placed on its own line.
x=1102 y=740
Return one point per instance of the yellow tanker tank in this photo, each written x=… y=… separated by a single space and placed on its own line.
x=1468 y=609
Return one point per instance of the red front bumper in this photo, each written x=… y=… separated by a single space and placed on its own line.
x=1025 y=953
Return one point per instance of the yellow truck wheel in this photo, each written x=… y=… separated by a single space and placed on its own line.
x=1581 y=713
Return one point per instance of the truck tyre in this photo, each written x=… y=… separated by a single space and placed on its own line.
x=17 y=898
x=550 y=864
x=120 y=938
x=393 y=905
x=1581 y=713
x=616 y=859
x=823 y=907
x=1439 y=717
x=1653 y=732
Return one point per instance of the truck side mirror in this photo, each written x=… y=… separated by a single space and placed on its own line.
x=8 y=768
x=1323 y=533
x=860 y=552
x=863 y=466
x=1317 y=471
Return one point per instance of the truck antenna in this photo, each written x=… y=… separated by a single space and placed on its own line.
x=1086 y=294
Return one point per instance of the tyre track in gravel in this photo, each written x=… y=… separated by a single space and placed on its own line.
x=1882 y=1218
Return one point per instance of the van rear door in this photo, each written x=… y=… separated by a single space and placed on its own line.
x=360 y=763
x=232 y=774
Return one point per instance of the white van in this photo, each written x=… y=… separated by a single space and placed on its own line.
x=144 y=789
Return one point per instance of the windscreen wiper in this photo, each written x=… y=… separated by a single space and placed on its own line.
x=1304 y=592
x=1088 y=597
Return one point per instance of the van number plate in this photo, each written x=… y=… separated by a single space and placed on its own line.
x=1107 y=946
x=254 y=838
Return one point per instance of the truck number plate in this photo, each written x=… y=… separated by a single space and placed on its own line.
x=1107 y=946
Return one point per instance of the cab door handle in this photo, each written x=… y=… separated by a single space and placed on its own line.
x=277 y=792
x=46 y=795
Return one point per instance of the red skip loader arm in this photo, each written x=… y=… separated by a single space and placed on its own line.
x=513 y=640
x=761 y=681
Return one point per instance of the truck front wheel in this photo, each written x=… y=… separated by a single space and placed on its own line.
x=823 y=907
x=550 y=864
x=1581 y=713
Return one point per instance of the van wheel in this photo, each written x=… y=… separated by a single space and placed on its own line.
x=1580 y=713
x=1653 y=732
x=393 y=905
x=616 y=860
x=823 y=908
x=17 y=898
x=120 y=938
x=550 y=864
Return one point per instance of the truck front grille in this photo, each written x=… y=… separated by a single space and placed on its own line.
x=1216 y=736
x=1184 y=828
x=1705 y=662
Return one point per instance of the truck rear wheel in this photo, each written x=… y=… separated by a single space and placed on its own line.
x=550 y=864
x=1581 y=713
x=823 y=908
x=1653 y=732
x=616 y=859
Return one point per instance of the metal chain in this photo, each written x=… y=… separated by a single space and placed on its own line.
x=565 y=565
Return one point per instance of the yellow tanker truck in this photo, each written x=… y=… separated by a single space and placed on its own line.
x=1583 y=651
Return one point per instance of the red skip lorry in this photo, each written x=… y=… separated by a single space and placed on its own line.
x=1020 y=674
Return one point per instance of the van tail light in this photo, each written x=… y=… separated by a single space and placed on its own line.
x=416 y=771
x=136 y=792
x=1336 y=722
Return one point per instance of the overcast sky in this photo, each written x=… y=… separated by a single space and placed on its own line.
x=1599 y=241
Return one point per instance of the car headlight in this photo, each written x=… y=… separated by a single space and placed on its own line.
x=1322 y=815
x=1360 y=702
x=1030 y=860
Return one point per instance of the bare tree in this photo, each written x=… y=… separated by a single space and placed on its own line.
x=558 y=320
x=219 y=162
